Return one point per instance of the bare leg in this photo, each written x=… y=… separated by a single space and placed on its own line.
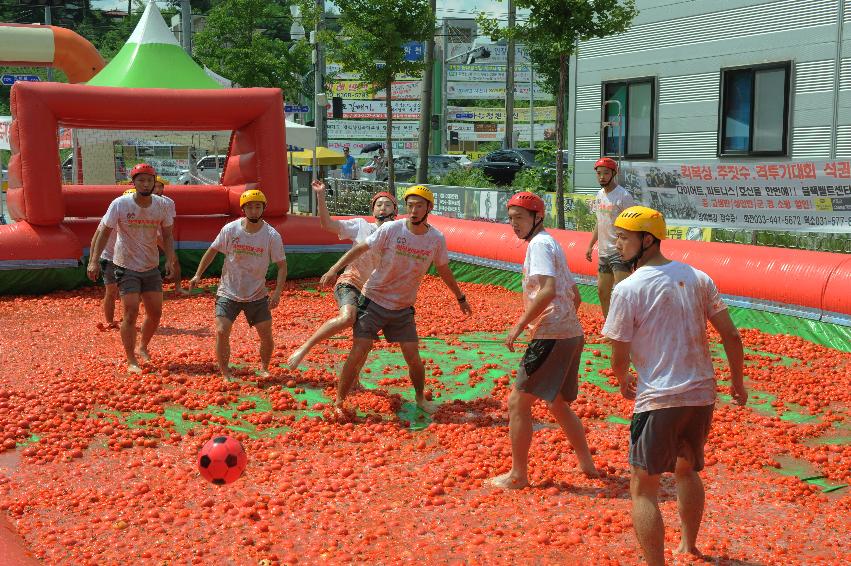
x=690 y=502
x=355 y=360
x=646 y=517
x=267 y=344
x=345 y=319
x=153 y=301
x=520 y=430
x=223 y=328
x=416 y=371
x=605 y=282
x=110 y=295
x=178 y=280
x=575 y=432
x=130 y=305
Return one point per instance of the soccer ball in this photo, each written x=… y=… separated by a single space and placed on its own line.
x=222 y=460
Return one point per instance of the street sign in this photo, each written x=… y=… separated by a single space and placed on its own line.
x=9 y=80
x=414 y=51
x=291 y=108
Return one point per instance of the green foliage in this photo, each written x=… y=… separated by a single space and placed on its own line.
x=461 y=177
x=377 y=30
x=245 y=41
x=583 y=217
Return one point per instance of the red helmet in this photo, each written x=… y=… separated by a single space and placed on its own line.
x=142 y=168
x=608 y=163
x=377 y=196
x=527 y=200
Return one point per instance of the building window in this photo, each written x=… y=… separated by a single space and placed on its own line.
x=637 y=109
x=754 y=118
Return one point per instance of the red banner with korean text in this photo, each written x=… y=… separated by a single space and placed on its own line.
x=801 y=196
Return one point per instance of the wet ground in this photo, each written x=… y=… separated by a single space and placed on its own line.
x=98 y=467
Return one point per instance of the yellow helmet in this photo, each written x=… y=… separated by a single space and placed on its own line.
x=419 y=191
x=642 y=219
x=161 y=180
x=129 y=192
x=252 y=195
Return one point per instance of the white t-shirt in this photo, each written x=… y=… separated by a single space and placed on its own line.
x=137 y=227
x=544 y=256
x=109 y=248
x=404 y=258
x=247 y=259
x=662 y=311
x=608 y=206
x=357 y=230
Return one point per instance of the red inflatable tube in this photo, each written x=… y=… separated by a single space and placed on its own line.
x=92 y=200
x=815 y=280
x=25 y=242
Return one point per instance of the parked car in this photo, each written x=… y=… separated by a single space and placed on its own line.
x=404 y=167
x=209 y=171
x=503 y=164
x=440 y=165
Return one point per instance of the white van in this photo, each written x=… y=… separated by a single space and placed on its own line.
x=208 y=171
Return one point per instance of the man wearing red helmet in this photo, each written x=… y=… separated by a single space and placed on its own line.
x=549 y=369
x=138 y=218
x=347 y=290
x=611 y=200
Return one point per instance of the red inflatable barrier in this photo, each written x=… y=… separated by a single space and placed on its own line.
x=190 y=200
x=815 y=280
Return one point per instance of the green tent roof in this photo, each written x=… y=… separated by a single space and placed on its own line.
x=152 y=58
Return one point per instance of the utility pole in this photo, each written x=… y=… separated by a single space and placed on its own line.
x=186 y=26
x=509 y=80
x=425 y=103
x=320 y=120
x=48 y=20
x=531 y=106
x=443 y=141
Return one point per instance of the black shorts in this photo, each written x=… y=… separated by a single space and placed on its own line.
x=130 y=281
x=255 y=311
x=658 y=437
x=612 y=263
x=397 y=325
x=550 y=367
x=346 y=294
x=107 y=271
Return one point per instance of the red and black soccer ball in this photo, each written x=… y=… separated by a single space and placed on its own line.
x=222 y=460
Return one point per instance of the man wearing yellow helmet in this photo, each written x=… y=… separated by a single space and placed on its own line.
x=249 y=245
x=657 y=320
x=406 y=249
x=159 y=188
x=347 y=289
x=107 y=270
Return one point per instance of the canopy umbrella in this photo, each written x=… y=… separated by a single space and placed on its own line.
x=324 y=156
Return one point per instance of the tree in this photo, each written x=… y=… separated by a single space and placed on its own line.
x=371 y=42
x=245 y=41
x=551 y=32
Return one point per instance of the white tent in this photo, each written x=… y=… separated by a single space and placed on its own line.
x=298 y=136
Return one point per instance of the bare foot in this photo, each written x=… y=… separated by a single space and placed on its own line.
x=295 y=359
x=589 y=470
x=143 y=355
x=133 y=367
x=426 y=406
x=683 y=549
x=113 y=325
x=263 y=373
x=357 y=386
x=507 y=481
x=342 y=414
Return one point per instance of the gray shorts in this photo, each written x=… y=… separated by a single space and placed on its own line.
x=130 y=281
x=255 y=311
x=398 y=325
x=551 y=366
x=107 y=270
x=612 y=263
x=346 y=294
x=657 y=437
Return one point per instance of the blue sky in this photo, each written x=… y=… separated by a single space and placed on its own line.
x=449 y=8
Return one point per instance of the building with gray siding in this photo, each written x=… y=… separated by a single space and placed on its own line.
x=715 y=80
